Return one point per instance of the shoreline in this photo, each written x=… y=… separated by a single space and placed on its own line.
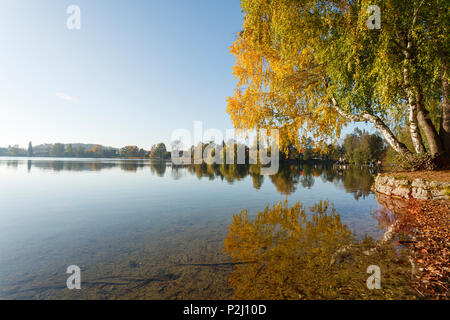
x=422 y=226
x=421 y=185
x=419 y=203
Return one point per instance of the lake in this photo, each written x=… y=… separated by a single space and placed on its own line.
x=143 y=230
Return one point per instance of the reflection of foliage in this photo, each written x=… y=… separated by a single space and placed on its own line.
x=257 y=178
x=284 y=243
x=158 y=167
x=307 y=179
x=286 y=180
x=283 y=254
x=234 y=172
x=177 y=173
x=229 y=172
x=358 y=182
x=130 y=166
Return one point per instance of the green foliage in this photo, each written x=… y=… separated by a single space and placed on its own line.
x=69 y=151
x=97 y=150
x=15 y=151
x=309 y=67
x=447 y=191
x=159 y=151
x=79 y=152
x=129 y=151
x=361 y=147
x=57 y=150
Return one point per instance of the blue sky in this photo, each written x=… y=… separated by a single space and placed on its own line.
x=136 y=71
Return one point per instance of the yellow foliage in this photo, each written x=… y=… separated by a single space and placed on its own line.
x=288 y=253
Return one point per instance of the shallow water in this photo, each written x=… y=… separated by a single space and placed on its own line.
x=141 y=230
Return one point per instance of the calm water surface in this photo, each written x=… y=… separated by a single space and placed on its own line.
x=146 y=230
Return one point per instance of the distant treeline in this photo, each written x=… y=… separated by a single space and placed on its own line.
x=79 y=150
x=359 y=147
x=290 y=155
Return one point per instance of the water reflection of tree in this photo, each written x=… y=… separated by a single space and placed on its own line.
x=130 y=166
x=289 y=253
x=358 y=182
x=286 y=180
x=306 y=178
x=257 y=178
x=177 y=172
x=158 y=168
x=12 y=164
x=70 y=165
x=234 y=172
x=396 y=213
x=229 y=172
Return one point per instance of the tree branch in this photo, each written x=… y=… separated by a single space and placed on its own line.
x=380 y=125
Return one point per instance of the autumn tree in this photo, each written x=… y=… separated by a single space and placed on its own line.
x=69 y=150
x=16 y=151
x=310 y=67
x=57 y=150
x=158 y=151
x=129 y=151
x=361 y=147
x=97 y=150
x=79 y=152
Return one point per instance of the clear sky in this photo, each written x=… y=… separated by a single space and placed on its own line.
x=133 y=73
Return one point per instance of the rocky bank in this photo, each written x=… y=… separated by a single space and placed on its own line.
x=410 y=188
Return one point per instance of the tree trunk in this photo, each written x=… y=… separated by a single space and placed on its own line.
x=412 y=103
x=434 y=142
x=416 y=101
x=444 y=132
x=414 y=130
x=413 y=124
x=399 y=147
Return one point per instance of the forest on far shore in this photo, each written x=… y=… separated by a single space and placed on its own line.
x=359 y=147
